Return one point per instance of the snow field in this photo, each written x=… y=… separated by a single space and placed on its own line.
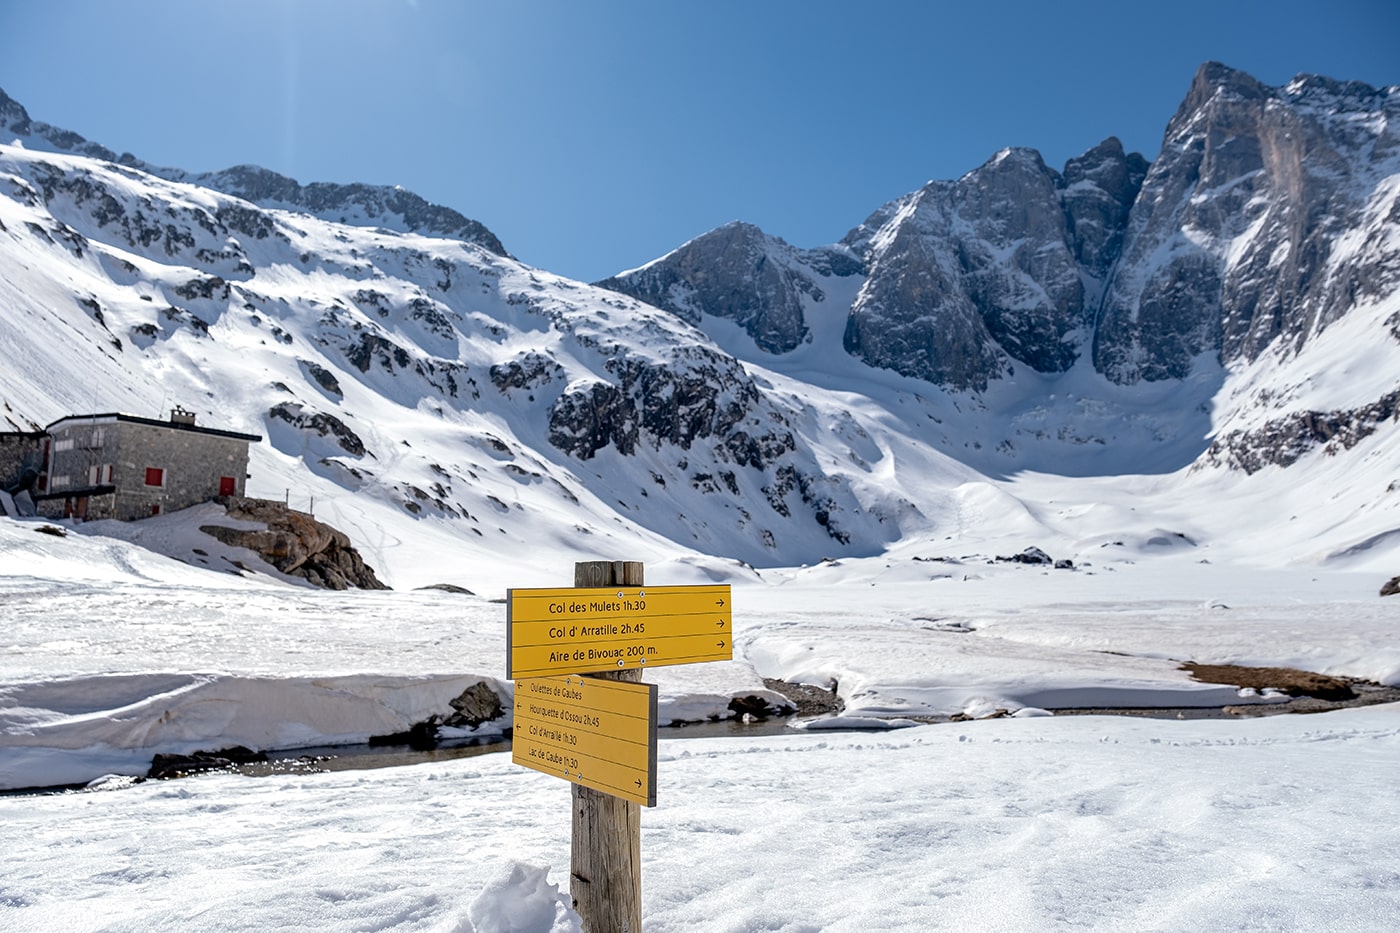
x=1098 y=823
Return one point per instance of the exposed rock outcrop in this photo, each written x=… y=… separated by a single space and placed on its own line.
x=1282 y=441
x=321 y=424
x=696 y=395
x=296 y=544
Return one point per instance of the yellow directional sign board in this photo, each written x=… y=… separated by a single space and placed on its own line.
x=589 y=731
x=578 y=630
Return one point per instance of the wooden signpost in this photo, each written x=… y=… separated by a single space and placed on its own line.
x=582 y=714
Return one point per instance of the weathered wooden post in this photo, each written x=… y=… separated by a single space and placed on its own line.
x=606 y=859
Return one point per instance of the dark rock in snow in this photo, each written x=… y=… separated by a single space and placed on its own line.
x=320 y=423
x=448 y=588
x=1031 y=555
x=756 y=707
x=477 y=704
x=173 y=766
x=324 y=378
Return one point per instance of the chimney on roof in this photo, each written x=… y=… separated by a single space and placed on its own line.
x=179 y=415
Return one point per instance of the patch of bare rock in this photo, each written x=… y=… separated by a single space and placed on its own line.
x=1310 y=693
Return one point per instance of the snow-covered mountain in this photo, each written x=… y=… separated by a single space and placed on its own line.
x=1215 y=333
x=363 y=205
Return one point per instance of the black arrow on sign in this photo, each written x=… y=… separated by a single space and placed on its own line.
x=720 y=623
x=638 y=783
x=721 y=644
x=719 y=602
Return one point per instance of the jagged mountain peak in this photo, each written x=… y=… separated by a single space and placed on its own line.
x=1306 y=88
x=1271 y=215
x=1107 y=164
x=358 y=204
x=15 y=123
x=12 y=112
x=1214 y=77
x=1020 y=158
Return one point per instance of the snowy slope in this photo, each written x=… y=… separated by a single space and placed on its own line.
x=458 y=395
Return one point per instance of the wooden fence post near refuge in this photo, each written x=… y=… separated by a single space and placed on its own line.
x=605 y=865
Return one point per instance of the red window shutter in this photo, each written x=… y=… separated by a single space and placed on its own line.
x=155 y=476
x=226 y=485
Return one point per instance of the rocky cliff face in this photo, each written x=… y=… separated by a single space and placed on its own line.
x=961 y=280
x=969 y=277
x=1285 y=440
x=1098 y=192
x=1270 y=213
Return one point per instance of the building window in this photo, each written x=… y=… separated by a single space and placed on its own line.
x=155 y=476
x=226 y=485
x=107 y=473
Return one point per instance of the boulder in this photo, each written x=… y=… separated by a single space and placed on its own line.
x=477 y=704
x=1031 y=555
x=296 y=544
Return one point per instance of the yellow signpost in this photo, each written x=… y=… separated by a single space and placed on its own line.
x=559 y=631
x=598 y=733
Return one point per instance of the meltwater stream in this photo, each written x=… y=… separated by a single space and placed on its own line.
x=363 y=757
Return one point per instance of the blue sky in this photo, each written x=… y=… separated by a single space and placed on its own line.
x=594 y=136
